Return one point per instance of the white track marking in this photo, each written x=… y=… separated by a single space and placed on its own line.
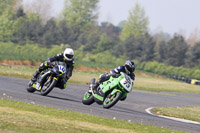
x=148 y=110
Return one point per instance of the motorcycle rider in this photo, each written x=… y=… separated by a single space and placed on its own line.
x=67 y=56
x=128 y=68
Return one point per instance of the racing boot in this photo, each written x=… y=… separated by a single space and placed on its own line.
x=94 y=87
x=35 y=76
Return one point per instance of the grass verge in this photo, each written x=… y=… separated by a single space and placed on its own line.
x=23 y=117
x=188 y=113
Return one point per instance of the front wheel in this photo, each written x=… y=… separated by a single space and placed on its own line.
x=30 y=88
x=48 y=86
x=88 y=98
x=111 y=100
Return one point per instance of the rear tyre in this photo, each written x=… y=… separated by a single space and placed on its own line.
x=111 y=100
x=49 y=87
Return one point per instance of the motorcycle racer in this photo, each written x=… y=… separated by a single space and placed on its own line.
x=67 y=56
x=128 y=68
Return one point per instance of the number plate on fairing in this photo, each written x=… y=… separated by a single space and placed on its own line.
x=127 y=84
x=61 y=68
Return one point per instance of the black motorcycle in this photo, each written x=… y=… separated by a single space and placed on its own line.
x=48 y=79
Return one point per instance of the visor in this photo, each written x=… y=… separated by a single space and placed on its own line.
x=69 y=56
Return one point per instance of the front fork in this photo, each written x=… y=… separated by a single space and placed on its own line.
x=113 y=93
x=38 y=85
x=101 y=98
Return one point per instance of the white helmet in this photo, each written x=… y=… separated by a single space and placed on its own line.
x=68 y=54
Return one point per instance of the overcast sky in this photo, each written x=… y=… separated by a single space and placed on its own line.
x=168 y=15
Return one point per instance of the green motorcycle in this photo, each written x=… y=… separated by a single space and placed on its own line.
x=110 y=91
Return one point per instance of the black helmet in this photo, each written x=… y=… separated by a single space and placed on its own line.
x=129 y=66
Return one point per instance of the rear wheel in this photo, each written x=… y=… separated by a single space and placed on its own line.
x=111 y=100
x=48 y=86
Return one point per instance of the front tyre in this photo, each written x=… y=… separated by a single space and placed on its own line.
x=88 y=98
x=48 y=86
x=30 y=89
x=111 y=100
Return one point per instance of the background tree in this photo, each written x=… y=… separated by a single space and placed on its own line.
x=194 y=37
x=31 y=32
x=193 y=56
x=161 y=38
x=109 y=30
x=80 y=12
x=104 y=44
x=121 y=24
x=80 y=16
x=50 y=34
x=160 y=51
x=64 y=33
x=89 y=40
x=141 y=49
x=176 y=49
x=10 y=18
x=5 y=5
x=137 y=23
x=42 y=8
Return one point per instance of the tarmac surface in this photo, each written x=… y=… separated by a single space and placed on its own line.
x=132 y=109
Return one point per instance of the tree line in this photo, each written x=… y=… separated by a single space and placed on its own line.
x=34 y=53
x=78 y=28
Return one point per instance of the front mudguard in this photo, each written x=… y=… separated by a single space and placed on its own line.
x=41 y=80
x=31 y=89
x=115 y=90
x=88 y=98
x=124 y=94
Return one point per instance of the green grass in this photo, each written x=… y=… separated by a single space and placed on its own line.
x=95 y=64
x=26 y=72
x=17 y=71
x=143 y=81
x=22 y=117
x=188 y=113
x=160 y=84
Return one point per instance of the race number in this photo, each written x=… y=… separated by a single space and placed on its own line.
x=127 y=84
x=62 y=68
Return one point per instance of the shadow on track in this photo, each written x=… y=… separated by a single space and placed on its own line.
x=128 y=111
x=65 y=99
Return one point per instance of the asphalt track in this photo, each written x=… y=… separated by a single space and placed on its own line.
x=132 y=109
